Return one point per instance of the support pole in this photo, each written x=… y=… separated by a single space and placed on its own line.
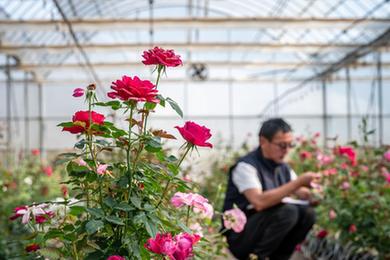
x=380 y=101
x=348 y=96
x=26 y=115
x=8 y=110
x=41 y=126
x=324 y=113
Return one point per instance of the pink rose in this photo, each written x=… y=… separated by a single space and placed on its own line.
x=386 y=155
x=78 y=92
x=81 y=162
x=134 y=89
x=185 y=243
x=102 y=169
x=195 y=134
x=81 y=122
x=159 y=56
x=387 y=177
x=198 y=202
x=345 y=185
x=332 y=214
x=234 y=219
x=116 y=257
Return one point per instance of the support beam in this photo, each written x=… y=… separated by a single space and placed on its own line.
x=380 y=101
x=237 y=80
x=220 y=64
x=212 y=47
x=347 y=60
x=199 y=22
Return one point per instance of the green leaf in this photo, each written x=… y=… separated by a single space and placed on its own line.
x=94 y=225
x=109 y=201
x=162 y=100
x=96 y=212
x=184 y=227
x=51 y=253
x=80 y=144
x=53 y=234
x=149 y=106
x=175 y=107
x=76 y=210
x=124 y=206
x=115 y=105
x=115 y=220
x=150 y=226
x=136 y=201
x=66 y=124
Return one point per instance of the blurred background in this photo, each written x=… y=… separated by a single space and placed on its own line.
x=322 y=65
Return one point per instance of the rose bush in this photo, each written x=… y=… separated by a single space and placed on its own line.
x=29 y=179
x=130 y=201
x=355 y=194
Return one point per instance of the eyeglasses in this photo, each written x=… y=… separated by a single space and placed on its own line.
x=284 y=146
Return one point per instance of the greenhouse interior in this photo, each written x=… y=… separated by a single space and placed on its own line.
x=194 y=129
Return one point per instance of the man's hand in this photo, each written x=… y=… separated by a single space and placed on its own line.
x=307 y=178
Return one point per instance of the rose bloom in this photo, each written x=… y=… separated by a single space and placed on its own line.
x=234 y=219
x=332 y=214
x=161 y=244
x=102 y=169
x=48 y=171
x=78 y=92
x=179 y=247
x=115 y=257
x=134 y=89
x=352 y=228
x=349 y=152
x=81 y=121
x=35 y=152
x=198 y=202
x=322 y=234
x=386 y=155
x=305 y=155
x=345 y=185
x=159 y=56
x=32 y=247
x=195 y=134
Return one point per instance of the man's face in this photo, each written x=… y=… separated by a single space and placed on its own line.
x=278 y=147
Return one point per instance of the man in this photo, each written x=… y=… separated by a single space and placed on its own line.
x=257 y=184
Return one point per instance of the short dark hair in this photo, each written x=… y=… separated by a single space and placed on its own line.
x=273 y=125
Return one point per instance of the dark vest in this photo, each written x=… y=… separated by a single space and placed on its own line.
x=271 y=175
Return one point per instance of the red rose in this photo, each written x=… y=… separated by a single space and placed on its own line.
x=195 y=134
x=322 y=234
x=115 y=257
x=81 y=121
x=48 y=171
x=352 y=228
x=35 y=152
x=32 y=247
x=350 y=153
x=305 y=155
x=159 y=56
x=134 y=89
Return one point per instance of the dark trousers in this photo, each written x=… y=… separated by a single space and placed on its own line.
x=273 y=232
